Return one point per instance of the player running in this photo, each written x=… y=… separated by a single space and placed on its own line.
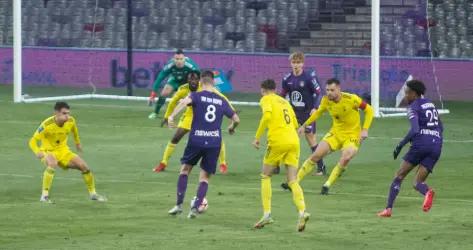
x=346 y=133
x=176 y=70
x=185 y=122
x=54 y=152
x=204 y=140
x=426 y=141
x=283 y=147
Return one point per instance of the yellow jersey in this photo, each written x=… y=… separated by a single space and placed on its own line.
x=52 y=136
x=280 y=120
x=345 y=113
x=182 y=93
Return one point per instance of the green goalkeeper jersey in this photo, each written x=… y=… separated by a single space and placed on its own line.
x=176 y=76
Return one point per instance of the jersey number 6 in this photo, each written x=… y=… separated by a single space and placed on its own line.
x=287 y=118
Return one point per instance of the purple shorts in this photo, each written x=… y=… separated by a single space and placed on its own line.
x=301 y=118
x=426 y=156
x=208 y=157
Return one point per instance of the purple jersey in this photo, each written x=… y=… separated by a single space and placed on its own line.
x=302 y=91
x=208 y=111
x=429 y=127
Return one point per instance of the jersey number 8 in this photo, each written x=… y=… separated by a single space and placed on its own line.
x=210 y=114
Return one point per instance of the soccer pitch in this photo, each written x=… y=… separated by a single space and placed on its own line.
x=121 y=146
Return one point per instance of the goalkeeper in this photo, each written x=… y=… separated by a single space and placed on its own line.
x=175 y=70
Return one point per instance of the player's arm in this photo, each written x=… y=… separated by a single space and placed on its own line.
x=317 y=91
x=230 y=112
x=35 y=140
x=191 y=64
x=75 y=133
x=180 y=94
x=414 y=130
x=183 y=103
x=162 y=75
x=315 y=115
x=369 y=114
x=284 y=89
x=263 y=124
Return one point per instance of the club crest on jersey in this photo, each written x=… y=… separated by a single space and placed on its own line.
x=301 y=84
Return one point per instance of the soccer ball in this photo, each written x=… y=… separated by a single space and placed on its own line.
x=203 y=206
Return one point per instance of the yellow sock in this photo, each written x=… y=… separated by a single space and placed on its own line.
x=306 y=169
x=266 y=193
x=168 y=152
x=48 y=176
x=336 y=172
x=297 y=196
x=222 y=156
x=89 y=181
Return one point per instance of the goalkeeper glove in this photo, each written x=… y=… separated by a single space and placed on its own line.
x=152 y=96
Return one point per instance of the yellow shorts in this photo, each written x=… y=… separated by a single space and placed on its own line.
x=341 y=141
x=186 y=121
x=63 y=157
x=287 y=154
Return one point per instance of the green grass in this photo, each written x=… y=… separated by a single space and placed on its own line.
x=121 y=146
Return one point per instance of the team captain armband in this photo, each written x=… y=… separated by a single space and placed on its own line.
x=363 y=105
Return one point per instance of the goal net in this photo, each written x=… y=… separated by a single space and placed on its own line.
x=78 y=49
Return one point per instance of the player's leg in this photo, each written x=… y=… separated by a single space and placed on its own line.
x=312 y=142
x=347 y=154
x=48 y=175
x=208 y=167
x=190 y=157
x=308 y=166
x=165 y=92
x=291 y=160
x=426 y=167
x=395 y=187
x=222 y=159
x=76 y=162
x=180 y=132
x=266 y=194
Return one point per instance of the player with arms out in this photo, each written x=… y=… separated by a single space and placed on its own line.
x=54 y=152
x=283 y=148
x=346 y=133
x=204 y=140
x=426 y=141
x=175 y=70
x=185 y=122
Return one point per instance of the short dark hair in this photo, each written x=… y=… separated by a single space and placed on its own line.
x=207 y=73
x=333 y=81
x=193 y=72
x=61 y=105
x=416 y=86
x=179 y=52
x=268 y=84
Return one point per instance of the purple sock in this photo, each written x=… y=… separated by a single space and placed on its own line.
x=393 y=191
x=422 y=188
x=201 y=193
x=181 y=188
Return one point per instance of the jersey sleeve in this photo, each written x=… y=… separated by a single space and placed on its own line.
x=284 y=89
x=189 y=63
x=322 y=108
x=75 y=131
x=163 y=74
x=414 y=121
x=266 y=110
x=181 y=93
x=315 y=83
x=367 y=109
x=228 y=110
x=37 y=137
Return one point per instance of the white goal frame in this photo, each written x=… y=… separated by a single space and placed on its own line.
x=375 y=66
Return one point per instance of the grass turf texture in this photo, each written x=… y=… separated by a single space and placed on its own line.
x=121 y=146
